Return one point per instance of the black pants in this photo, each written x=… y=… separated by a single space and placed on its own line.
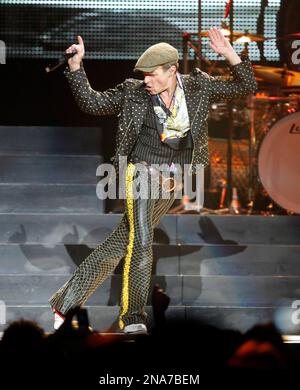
x=132 y=238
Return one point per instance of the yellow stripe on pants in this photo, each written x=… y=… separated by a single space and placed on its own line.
x=129 y=200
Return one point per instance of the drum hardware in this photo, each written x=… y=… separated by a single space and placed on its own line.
x=235 y=206
x=220 y=112
x=265 y=115
x=222 y=184
x=262 y=121
x=216 y=175
x=252 y=143
x=250 y=206
x=278 y=76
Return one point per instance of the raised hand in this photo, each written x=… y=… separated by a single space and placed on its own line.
x=218 y=42
x=222 y=46
x=74 y=62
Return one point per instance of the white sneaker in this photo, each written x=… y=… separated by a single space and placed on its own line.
x=58 y=319
x=136 y=328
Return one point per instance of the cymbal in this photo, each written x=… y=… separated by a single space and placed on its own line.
x=225 y=32
x=246 y=37
x=241 y=36
x=279 y=76
x=236 y=35
x=257 y=37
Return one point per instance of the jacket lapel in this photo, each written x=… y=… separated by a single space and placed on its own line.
x=139 y=103
x=191 y=102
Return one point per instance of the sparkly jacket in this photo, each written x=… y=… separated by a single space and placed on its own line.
x=128 y=101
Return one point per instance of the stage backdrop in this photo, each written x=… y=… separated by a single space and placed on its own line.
x=115 y=29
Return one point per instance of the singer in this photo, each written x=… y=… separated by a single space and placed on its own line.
x=162 y=120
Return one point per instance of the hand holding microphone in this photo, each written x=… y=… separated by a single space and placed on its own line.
x=74 y=61
x=73 y=56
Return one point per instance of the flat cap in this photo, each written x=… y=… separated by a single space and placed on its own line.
x=156 y=55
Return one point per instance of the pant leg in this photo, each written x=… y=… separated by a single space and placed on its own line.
x=101 y=263
x=143 y=215
x=93 y=270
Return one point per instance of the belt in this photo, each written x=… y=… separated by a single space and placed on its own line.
x=168 y=183
x=172 y=167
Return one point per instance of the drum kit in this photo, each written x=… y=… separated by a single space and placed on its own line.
x=265 y=144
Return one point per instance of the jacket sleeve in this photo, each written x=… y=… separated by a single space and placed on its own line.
x=240 y=84
x=92 y=102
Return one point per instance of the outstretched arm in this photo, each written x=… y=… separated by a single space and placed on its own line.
x=242 y=83
x=90 y=101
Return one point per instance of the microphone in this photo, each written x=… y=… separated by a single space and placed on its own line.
x=63 y=60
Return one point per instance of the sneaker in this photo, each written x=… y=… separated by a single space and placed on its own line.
x=58 y=319
x=136 y=328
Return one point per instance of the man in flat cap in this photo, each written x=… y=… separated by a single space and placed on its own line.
x=162 y=122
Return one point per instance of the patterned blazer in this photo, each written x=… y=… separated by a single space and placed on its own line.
x=129 y=100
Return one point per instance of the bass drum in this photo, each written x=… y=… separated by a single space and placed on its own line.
x=279 y=162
